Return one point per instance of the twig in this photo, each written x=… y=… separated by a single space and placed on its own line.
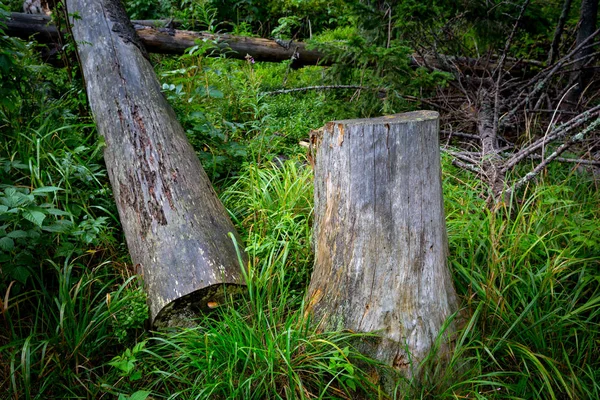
x=568 y=160
x=468 y=167
x=542 y=82
x=536 y=171
x=499 y=69
x=560 y=26
x=461 y=156
x=461 y=134
x=544 y=110
x=325 y=87
x=556 y=133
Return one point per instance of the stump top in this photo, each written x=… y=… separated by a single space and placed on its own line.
x=422 y=115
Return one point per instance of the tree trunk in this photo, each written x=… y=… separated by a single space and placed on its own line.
x=175 y=226
x=587 y=26
x=560 y=27
x=490 y=152
x=380 y=236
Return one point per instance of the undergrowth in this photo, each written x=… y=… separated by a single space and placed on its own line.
x=72 y=314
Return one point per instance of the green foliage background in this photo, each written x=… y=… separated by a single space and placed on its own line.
x=73 y=313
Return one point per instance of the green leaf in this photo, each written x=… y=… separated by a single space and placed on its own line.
x=350 y=383
x=61 y=226
x=215 y=93
x=140 y=395
x=349 y=368
x=18 y=272
x=135 y=376
x=10 y=192
x=57 y=212
x=7 y=244
x=3 y=208
x=36 y=217
x=45 y=189
x=18 y=234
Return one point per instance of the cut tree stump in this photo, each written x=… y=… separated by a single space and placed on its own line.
x=175 y=226
x=380 y=236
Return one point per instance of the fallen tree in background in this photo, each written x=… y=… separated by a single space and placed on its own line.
x=163 y=40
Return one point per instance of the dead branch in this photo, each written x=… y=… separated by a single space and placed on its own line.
x=541 y=82
x=560 y=26
x=540 y=167
x=556 y=133
x=324 y=87
x=581 y=161
x=500 y=70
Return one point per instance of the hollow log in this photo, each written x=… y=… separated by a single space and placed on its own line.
x=175 y=226
x=380 y=236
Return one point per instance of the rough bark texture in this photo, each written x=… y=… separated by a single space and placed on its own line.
x=560 y=27
x=491 y=160
x=380 y=235
x=587 y=25
x=175 y=226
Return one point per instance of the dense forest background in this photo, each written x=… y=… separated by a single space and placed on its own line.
x=517 y=90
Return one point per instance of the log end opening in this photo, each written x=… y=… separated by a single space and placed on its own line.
x=184 y=312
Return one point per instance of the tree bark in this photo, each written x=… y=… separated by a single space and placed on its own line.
x=380 y=236
x=560 y=27
x=490 y=152
x=175 y=226
x=587 y=26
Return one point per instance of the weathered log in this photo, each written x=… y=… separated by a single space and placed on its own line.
x=380 y=236
x=175 y=226
x=172 y=41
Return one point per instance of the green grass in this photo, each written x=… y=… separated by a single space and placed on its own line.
x=529 y=282
x=263 y=346
x=72 y=316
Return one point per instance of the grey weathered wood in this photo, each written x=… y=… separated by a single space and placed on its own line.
x=380 y=235
x=176 y=227
x=173 y=41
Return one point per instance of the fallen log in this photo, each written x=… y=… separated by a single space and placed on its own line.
x=157 y=39
x=380 y=237
x=177 y=230
x=173 y=41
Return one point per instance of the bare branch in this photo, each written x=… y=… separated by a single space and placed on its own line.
x=581 y=161
x=500 y=69
x=556 y=133
x=560 y=26
x=540 y=167
x=468 y=167
x=463 y=156
x=541 y=82
x=325 y=87
x=461 y=134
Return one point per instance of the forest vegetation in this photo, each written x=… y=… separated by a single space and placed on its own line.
x=516 y=85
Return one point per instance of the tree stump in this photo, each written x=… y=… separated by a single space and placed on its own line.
x=380 y=236
x=175 y=226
